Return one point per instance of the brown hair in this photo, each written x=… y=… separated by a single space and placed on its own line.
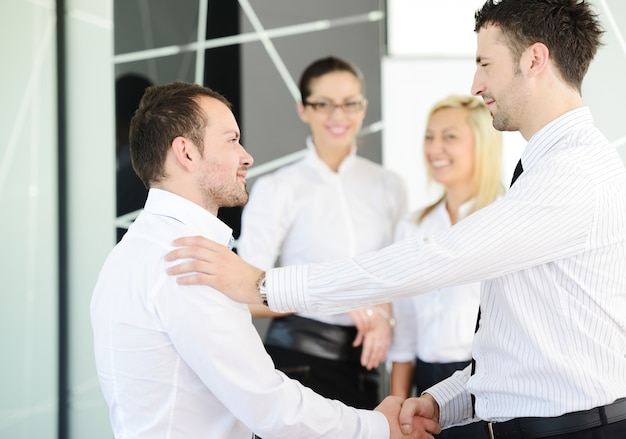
x=166 y=112
x=569 y=29
x=323 y=66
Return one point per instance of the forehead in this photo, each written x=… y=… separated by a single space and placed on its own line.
x=490 y=42
x=336 y=83
x=449 y=117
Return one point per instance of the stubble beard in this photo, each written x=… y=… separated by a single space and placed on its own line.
x=503 y=120
x=224 y=195
x=230 y=196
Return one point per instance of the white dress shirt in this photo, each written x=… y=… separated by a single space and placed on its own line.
x=185 y=361
x=552 y=335
x=437 y=326
x=307 y=213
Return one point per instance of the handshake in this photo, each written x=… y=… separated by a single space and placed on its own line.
x=411 y=418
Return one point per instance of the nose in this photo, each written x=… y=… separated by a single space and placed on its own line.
x=246 y=159
x=477 y=84
x=337 y=111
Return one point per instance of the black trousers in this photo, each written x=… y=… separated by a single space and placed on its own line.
x=428 y=374
x=348 y=382
x=615 y=430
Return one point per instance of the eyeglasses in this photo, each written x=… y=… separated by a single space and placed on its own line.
x=328 y=107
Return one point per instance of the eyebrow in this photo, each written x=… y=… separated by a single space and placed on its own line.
x=444 y=129
x=346 y=99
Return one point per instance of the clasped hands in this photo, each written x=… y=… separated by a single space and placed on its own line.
x=415 y=417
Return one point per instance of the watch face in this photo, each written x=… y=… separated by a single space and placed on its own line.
x=261 y=284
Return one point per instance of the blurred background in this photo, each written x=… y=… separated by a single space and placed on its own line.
x=72 y=76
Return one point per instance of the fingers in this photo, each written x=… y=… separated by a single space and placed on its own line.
x=375 y=346
x=373 y=352
x=361 y=319
x=410 y=408
x=418 y=426
x=188 y=267
x=358 y=339
x=374 y=335
x=420 y=413
x=196 y=252
x=427 y=425
x=194 y=279
x=196 y=241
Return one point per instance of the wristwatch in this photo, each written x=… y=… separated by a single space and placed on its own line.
x=262 y=289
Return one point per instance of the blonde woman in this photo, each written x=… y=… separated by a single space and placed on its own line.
x=434 y=331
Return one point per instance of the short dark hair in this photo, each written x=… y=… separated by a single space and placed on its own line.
x=570 y=29
x=323 y=66
x=166 y=112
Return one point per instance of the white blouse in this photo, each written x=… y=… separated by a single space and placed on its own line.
x=437 y=326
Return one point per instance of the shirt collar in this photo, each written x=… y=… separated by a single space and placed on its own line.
x=464 y=209
x=164 y=203
x=547 y=138
x=320 y=164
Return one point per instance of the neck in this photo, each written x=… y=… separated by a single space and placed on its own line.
x=549 y=106
x=455 y=198
x=182 y=190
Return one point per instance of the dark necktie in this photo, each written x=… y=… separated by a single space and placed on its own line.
x=518 y=171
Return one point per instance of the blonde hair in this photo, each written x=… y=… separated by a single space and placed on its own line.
x=487 y=150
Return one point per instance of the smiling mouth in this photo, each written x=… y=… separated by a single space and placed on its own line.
x=338 y=131
x=489 y=101
x=439 y=163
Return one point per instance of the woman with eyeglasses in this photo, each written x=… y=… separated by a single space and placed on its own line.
x=332 y=204
x=433 y=337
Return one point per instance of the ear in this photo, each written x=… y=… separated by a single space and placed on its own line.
x=185 y=153
x=538 y=57
x=302 y=113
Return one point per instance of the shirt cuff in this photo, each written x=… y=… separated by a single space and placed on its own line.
x=375 y=424
x=455 y=402
x=286 y=288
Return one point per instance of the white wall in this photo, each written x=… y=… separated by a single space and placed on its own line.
x=28 y=222
x=91 y=196
x=29 y=262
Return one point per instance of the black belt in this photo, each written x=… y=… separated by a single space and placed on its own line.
x=529 y=428
x=312 y=337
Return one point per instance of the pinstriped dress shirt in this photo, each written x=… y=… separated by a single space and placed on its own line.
x=552 y=257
